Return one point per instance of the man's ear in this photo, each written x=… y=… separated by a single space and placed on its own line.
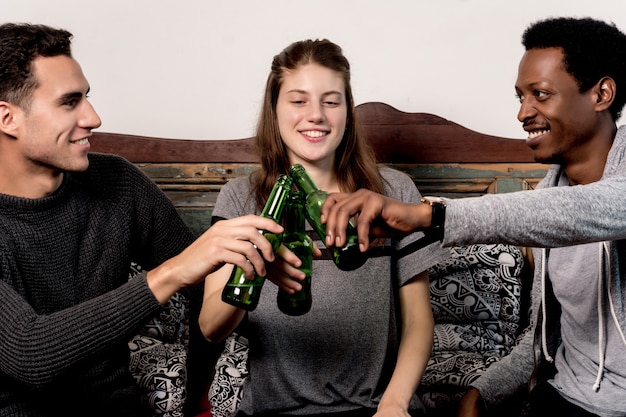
x=8 y=120
x=605 y=93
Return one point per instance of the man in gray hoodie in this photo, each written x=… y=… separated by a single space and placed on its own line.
x=572 y=87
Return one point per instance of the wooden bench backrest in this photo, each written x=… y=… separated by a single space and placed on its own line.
x=442 y=157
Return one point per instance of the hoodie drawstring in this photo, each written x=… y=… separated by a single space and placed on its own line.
x=611 y=305
x=544 y=332
x=601 y=330
x=603 y=274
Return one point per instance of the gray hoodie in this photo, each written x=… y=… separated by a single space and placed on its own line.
x=549 y=217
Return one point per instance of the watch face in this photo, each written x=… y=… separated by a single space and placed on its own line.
x=438 y=216
x=434 y=200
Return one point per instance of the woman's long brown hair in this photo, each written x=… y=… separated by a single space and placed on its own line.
x=355 y=162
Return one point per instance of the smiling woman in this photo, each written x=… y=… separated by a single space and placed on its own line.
x=305 y=111
x=312 y=106
x=309 y=118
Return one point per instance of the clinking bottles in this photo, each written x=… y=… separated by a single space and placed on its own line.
x=296 y=240
x=240 y=291
x=348 y=257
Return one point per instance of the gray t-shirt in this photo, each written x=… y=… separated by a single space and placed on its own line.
x=340 y=355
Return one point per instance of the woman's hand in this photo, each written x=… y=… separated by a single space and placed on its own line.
x=391 y=410
x=471 y=404
x=284 y=270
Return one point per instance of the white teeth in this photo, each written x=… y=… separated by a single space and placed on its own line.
x=313 y=133
x=83 y=141
x=535 y=133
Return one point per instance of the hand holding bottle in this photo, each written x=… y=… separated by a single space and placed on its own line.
x=240 y=291
x=295 y=238
x=347 y=256
x=378 y=216
x=234 y=241
x=285 y=272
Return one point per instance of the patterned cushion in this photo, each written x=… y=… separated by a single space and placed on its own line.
x=158 y=356
x=475 y=296
x=160 y=371
x=231 y=371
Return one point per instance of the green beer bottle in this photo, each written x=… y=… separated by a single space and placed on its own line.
x=240 y=291
x=348 y=257
x=297 y=241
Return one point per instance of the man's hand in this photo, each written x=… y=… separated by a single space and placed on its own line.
x=236 y=241
x=378 y=216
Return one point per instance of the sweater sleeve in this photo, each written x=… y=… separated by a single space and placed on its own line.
x=549 y=217
x=504 y=378
x=159 y=231
x=46 y=328
x=36 y=349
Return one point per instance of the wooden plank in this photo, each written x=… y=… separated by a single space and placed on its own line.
x=442 y=157
x=402 y=137
x=197 y=172
x=396 y=136
x=151 y=149
x=193 y=188
x=210 y=176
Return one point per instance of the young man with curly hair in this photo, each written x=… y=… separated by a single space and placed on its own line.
x=572 y=87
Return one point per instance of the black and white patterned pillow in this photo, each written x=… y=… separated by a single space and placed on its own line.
x=231 y=371
x=158 y=356
x=476 y=302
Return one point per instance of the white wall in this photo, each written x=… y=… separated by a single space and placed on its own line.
x=197 y=68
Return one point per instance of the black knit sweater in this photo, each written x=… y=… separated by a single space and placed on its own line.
x=68 y=308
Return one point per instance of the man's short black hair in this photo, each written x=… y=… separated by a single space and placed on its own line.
x=20 y=44
x=592 y=50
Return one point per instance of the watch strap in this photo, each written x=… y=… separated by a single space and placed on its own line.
x=438 y=217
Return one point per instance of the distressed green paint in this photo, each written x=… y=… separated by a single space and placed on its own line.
x=193 y=188
x=453 y=171
x=198 y=220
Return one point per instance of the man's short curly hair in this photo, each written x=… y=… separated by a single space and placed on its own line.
x=592 y=49
x=20 y=44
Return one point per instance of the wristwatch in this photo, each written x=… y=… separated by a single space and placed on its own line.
x=438 y=218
